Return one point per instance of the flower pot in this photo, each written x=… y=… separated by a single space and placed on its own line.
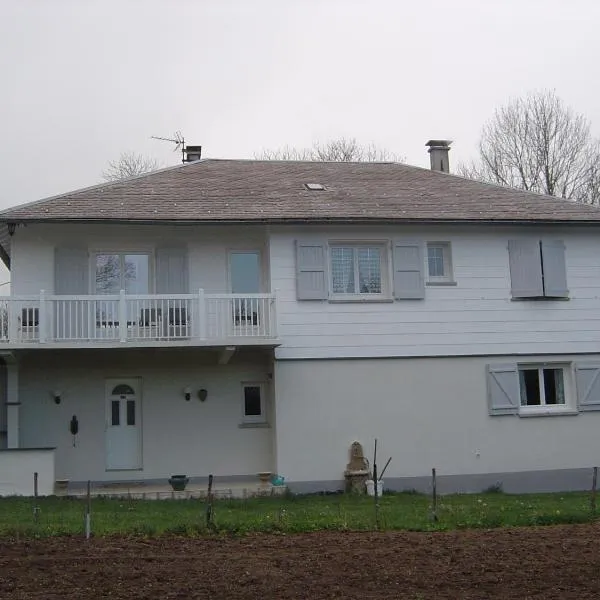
x=178 y=482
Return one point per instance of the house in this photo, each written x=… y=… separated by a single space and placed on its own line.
x=237 y=316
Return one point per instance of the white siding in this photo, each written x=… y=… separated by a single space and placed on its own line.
x=477 y=316
x=208 y=247
x=196 y=438
x=424 y=412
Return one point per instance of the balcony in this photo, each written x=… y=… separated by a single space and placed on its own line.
x=138 y=320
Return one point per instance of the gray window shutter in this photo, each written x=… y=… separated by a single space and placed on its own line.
x=172 y=270
x=311 y=271
x=503 y=389
x=588 y=386
x=71 y=271
x=409 y=280
x=555 y=270
x=525 y=268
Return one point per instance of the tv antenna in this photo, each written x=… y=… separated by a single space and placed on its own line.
x=177 y=139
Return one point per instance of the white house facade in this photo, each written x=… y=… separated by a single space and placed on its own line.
x=237 y=317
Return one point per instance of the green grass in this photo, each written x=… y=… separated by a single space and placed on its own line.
x=401 y=511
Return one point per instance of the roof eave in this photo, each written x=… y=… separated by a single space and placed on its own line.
x=310 y=220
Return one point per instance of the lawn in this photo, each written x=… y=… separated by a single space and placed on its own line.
x=401 y=511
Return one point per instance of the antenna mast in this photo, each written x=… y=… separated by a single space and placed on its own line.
x=177 y=139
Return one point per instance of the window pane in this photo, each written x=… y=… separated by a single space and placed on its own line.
x=342 y=270
x=130 y=412
x=114 y=407
x=554 y=386
x=252 y=407
x=245 y=272
x=135 y=273
x=530 y=387
x=369 y=270
x=108 y=273
x=435 y=259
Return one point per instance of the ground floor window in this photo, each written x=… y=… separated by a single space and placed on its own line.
x=542 y=386
x=253 y=403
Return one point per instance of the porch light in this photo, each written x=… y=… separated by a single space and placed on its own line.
x=202 y=394
x=187 y=393
x=57 y=396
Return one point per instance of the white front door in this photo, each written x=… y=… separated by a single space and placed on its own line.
x=123 y=424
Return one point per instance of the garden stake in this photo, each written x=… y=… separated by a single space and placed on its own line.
x=88 y=511
x=36 y=508
x=209 y=508
x=384 y=468
x=434 y=496
x=376 y=496
x=593 y=495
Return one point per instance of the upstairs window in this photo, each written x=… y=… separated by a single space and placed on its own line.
x=439 y=262
x=537 y=269
x=121 y=271
x=357 y=270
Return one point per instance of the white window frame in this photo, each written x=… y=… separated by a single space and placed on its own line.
x=448 y=276
x=384 y=268
x=254 y=419
x=543 y=408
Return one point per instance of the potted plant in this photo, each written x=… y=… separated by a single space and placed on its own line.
x=178 y=482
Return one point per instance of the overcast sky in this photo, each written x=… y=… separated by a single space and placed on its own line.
x=83 y=80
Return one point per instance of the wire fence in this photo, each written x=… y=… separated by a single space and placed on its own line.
x=135 y=512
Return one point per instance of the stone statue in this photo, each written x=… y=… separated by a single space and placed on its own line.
x=357 y=470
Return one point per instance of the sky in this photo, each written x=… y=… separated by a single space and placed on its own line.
x=84 y=80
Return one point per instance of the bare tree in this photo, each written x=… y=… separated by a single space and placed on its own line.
x=128 y=165
x=338 y=150
x=538 y=144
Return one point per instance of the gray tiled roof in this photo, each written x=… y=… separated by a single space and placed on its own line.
x=247 y=190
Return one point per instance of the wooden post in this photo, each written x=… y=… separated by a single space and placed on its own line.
x=36 y=508
x=375 y=490
x=209 y=500
x=434 y=495
x=42 y=317
x=88 y=511
x=593 y=494
x=122 y=316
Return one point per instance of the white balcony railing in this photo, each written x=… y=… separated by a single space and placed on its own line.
x=126 y=318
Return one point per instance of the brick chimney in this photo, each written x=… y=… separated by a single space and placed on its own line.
x=438 y=153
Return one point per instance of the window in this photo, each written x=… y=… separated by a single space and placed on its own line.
x=253 y=403
x=357 y=270
x=542 y=386
x=439 y=262
x=537 y=269
x=115 y=272
x=529 y=389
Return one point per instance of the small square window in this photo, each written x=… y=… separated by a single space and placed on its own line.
x=439 y=262
x=253 y=407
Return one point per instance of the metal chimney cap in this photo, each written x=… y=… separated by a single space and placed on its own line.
x=438 y=144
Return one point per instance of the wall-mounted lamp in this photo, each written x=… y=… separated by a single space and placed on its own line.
x=57 y=396
x=187 y=393
x=11 y=228
x=202 y=394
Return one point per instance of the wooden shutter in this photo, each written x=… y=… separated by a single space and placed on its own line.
x=311 y=270
x=503 y=389
x=172 y=270
x=409 y=280
x=555 y=270
x=71 y=271
x=588 y=386
x=525 y=268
